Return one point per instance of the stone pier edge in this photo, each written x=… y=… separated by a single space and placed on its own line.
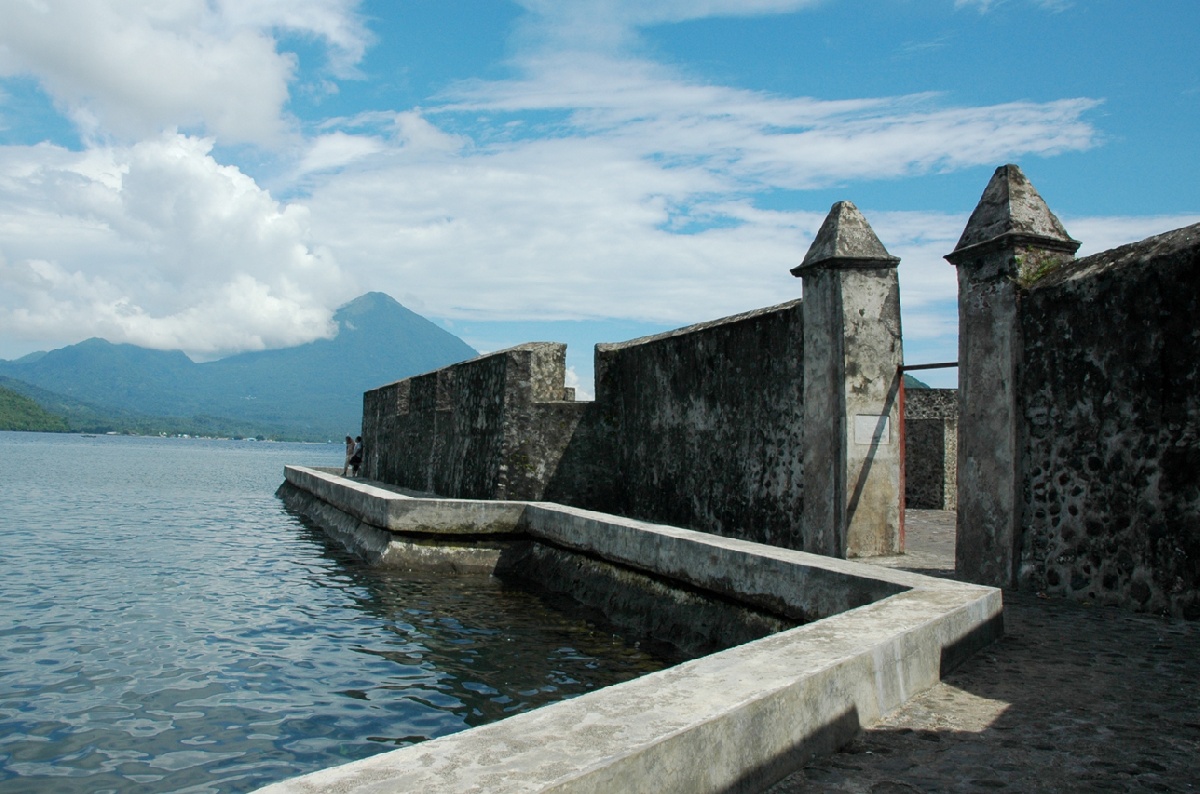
x=736 y=720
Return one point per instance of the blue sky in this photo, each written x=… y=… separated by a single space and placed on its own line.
x=220 y=175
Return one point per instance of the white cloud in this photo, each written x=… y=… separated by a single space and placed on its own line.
x=761 y=140
x=1098 y=234
x=158 y=245
x=594 y=185
x=337 y=150
x=629 y=193
x=986 y=5
x=133 y=68
x=336 y=22
x=581 y=25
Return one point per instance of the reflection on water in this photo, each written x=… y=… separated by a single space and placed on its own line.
x=167 y=626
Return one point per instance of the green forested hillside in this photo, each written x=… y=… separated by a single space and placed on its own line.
x=82 y=417
x=18 y=412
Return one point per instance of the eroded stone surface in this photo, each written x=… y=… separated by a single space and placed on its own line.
x=1010 y=205
x=845 y=236
x=1111 y=414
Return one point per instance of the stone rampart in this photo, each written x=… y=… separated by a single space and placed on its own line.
x=1111 y=411
x=1079 y=381
x=490 y=428
x=702 y=427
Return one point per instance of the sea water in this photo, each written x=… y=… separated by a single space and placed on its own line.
x=166 y=625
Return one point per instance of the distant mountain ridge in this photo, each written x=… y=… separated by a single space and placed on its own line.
x=310 y=391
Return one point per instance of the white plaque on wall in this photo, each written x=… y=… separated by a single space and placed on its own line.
x=872 y=430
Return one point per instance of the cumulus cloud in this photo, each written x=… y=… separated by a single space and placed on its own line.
x=159 y=245
x=133 y=68
x=602 y=187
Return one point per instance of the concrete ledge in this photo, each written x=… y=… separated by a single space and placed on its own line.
x=790 y=583
x=396 y=512
x=736 y=720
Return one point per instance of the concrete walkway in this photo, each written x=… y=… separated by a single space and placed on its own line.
x=1072 y=699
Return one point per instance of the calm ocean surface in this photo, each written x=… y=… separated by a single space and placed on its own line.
x=165 y=625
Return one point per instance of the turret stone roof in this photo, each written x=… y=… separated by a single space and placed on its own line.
x=845 y=240
x=1010 y=206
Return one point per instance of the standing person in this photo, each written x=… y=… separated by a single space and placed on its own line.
x=356 y=457
x=349 y=455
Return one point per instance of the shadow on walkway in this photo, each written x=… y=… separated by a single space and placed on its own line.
x=1073 y=698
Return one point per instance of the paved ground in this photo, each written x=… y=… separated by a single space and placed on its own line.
x=1072 y=699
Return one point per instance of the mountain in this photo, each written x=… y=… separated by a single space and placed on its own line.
x=100 y=372
x=83 y=417
x=311 y=391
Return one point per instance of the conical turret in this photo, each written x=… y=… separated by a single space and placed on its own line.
x=845 y=240
x=852 y=353
x=1011 y=210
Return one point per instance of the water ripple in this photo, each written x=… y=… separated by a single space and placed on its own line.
x=168 y=626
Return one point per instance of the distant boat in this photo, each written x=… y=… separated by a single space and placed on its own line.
x=88 y=435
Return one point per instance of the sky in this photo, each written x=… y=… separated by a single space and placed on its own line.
x=219 y=176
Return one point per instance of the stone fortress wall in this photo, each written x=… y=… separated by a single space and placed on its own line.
x=666 y=406
x=702 y=427
x=1071 y=450
x=1110 y=415
x=494 y=427
x=1079 y=387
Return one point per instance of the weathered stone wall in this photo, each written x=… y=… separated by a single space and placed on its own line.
x=703 y=427
x=1010 y=230
x=931 y=449
x=700 y=427
x=490 y=428
x=1111 y=411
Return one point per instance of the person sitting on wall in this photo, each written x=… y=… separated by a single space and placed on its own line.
x=349 y=455
x=356 y=457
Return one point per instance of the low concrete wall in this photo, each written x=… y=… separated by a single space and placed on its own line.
x=736 y=720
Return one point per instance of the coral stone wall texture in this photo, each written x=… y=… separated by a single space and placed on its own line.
x=701 y=427
x=705 y=426
x=490 y=428
x=1111 y=409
